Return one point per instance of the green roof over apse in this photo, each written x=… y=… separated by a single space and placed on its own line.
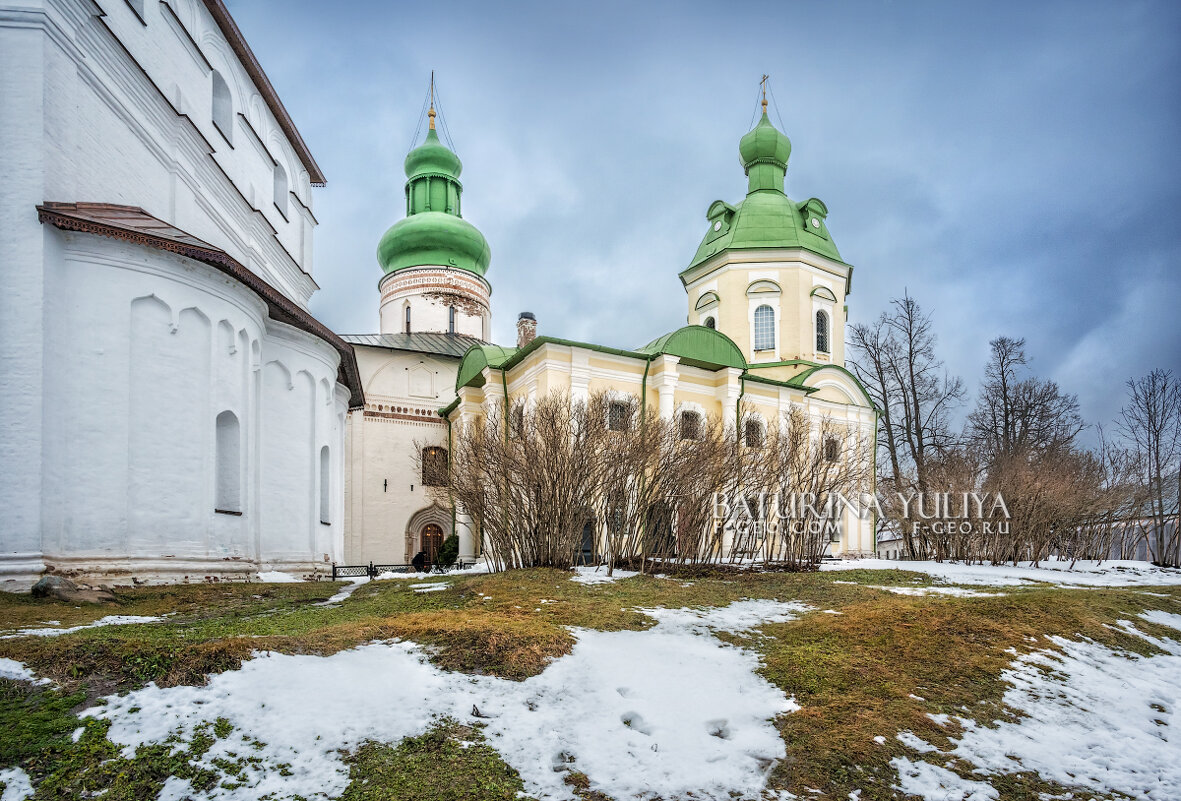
x=477 y=358
x=766 y=218
x=433 y=232
x=698 y=346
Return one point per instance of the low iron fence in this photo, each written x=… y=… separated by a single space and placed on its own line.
x=373 y=571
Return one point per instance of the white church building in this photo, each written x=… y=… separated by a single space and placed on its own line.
x=171 y=409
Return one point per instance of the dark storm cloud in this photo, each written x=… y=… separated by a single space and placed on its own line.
x=1013 y=165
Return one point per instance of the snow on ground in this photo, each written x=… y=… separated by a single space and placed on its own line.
x=12 y=669
x=703 y=724
x=934 y=783
x=109 y=620
x=1105 y=574
x=957 y=592
x=598 y=575
x=277 y=577
x=16 y=785
x=1091 y=717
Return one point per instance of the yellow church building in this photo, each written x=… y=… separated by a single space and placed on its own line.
x=766 y=293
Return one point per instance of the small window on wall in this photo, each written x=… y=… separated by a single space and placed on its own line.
x=517 y=421
x=618 y=414
x=228 y=456
x=325 y=487
x=434 y=467
x=709 y=323
x=822 y=340
x=451 y=319
x=752 y=434
x=281 y=190
x=407 y=318
x=690 y=425
x=764 y=328
x=223 y=107
x=832 y=449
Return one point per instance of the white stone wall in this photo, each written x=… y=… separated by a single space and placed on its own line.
x=106 y=425
x=144 y=350
x=120 y=111
x=385 y=502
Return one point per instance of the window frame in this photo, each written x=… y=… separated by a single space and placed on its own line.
x=763 y=340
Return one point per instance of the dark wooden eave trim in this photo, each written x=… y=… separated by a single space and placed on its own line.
x=84 y=218
x=237 y=42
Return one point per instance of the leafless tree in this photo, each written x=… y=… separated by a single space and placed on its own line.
x=1150 y=426
x=895 y=359
x=1019 y=416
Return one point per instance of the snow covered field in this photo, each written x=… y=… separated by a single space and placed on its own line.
x=1091 y=717
x=678 y=711
x=701 y=724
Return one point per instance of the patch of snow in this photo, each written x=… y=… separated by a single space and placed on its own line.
x=345 y=591
x=958 y=592
x=939 y=718
x=879 y=739
x=933 y=783
x=12 y=669
x=109 y=620
x=16 y=785
x=598 y=575
x=914 y=742
x=390 y=575
x=77 y=734
x=1103 y=574
x=435 y=586
x=701 y=726
x=1120 y=709
x=277 y=577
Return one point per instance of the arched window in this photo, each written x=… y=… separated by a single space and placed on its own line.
x=223 y=107
x=451 y=319
x=690 y=425
x=407 y=318
x=764 y=328
x=228 y=458
x=709 y=323
x=325 y=487
x=752 y=433
x=822 y=343
x=434 y=466
x=281 y=190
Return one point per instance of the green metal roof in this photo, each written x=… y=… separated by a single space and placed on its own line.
x=476 y=359
x=766 y=218
x=698 y=346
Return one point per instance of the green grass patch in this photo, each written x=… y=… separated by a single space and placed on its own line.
x=448 y=763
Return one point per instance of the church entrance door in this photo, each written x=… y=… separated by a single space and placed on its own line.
x=432 y=540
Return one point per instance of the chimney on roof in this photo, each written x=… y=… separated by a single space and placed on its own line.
x=526 y=328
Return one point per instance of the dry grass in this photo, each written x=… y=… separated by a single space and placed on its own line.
x=853 y=673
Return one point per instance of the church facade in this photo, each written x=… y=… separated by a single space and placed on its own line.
x=172 y=411
x=766 y=296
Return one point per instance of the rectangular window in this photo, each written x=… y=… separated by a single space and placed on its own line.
x=690 y=425
x=617 y=416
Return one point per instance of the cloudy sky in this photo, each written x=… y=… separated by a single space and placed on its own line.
x=1014 y=166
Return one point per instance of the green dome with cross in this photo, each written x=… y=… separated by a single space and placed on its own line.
x=767 y=217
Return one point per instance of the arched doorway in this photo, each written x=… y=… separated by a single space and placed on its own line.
x=432 y=540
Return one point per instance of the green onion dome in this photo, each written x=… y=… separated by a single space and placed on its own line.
x=764 y=152
x=433 y=232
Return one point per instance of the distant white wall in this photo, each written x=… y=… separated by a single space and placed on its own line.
x=384 y=493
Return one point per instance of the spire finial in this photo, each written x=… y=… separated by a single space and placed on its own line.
x=431 y=113
x=763 y=84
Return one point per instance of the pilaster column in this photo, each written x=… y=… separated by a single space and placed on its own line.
x=465 y=530
x=666 y=383
x=728 y=394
